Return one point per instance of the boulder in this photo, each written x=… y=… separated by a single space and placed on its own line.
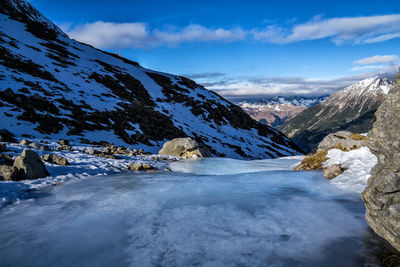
x=90 y=151
x=64 y=147
x=55 y=159
x=38 y=146
x=25 y=142
x=342 y=138
x=6 y=159
x=30 y=166
x=64 y=142
x=184 y=148
x=140 y=167
x=382 y=195
x=8 y=172
x=333 y=171
x=6 y=136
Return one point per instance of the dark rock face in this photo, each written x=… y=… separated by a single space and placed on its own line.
x=382 y=195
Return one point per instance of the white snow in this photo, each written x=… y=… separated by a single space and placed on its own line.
x=359 y=163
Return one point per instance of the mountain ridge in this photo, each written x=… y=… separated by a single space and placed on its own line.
x=351 y=108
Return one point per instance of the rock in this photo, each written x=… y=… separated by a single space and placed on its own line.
x=8 y=172
x=55 y=159
x=25 y=142
x=64 y=147
x=342 y=138
x=184 y=148
x=90 y=151
x=30 y=166
x=6 y=136
x=3 y=147
x=140 y=167
x=64 y=142
x=333 y=171
x=38 y=146
x=382 y=195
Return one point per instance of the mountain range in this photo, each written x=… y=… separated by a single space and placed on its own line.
x=351 y=109
x=54 y=87
x=276 y=110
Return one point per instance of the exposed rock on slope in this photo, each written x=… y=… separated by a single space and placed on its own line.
x=382 y=195
x=351 y=109
x=52 y=86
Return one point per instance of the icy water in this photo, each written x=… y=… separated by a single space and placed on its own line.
x=212 y=212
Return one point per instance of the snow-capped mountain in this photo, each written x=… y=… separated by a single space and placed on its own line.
x=351 y=108
x=55 y=87
x=275 y=111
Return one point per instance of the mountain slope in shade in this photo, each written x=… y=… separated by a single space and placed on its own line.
x=352 y=109
x=52 y=86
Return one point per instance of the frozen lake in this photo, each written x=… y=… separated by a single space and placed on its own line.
x=210 y=212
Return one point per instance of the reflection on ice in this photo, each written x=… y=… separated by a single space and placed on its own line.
x=214 y=212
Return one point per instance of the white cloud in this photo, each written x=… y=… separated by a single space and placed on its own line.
x=377 y=59
x=356 y=30
x=139 y=35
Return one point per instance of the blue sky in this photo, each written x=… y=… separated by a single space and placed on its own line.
x=243 y=47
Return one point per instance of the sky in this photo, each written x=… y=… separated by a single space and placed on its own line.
x=243 y=48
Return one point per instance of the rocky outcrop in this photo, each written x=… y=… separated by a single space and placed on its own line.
x=6 y=136
x=30 y=166
x=382 y=195
x=55 y=159
x=344 y=138
x=184 y=148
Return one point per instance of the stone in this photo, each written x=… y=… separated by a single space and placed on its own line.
x=333 y=171
x=342 y=138
x=382 y=195
x=38 y=146
x=8 y=172
x=55 y=159
x=64 y=147
x=140 y=167
x=90 y=151
x=6 y=136
x=3 y=147
x=64 y=142
x=184 y=148
x=6 y=159
x=25 y=142
x=30 y=166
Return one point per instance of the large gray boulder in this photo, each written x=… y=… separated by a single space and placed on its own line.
x=382 y=195
x=30 y=166
x=344 y=138
x=184 y=148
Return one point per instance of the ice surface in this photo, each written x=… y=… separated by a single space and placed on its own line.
x=215 y=212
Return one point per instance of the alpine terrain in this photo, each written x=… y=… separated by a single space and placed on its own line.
x=274 y=112
x=54 y=87
x=351 y=109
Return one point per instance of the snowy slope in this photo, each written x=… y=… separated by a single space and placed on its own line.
x=351 y=108
x=55 y=87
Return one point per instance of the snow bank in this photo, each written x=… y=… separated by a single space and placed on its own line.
x=359 y=163
x=82 y=165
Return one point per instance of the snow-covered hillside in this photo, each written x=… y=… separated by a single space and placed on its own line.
x=55 y=87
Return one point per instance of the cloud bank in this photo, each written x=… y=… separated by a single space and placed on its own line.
x=352 y=30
